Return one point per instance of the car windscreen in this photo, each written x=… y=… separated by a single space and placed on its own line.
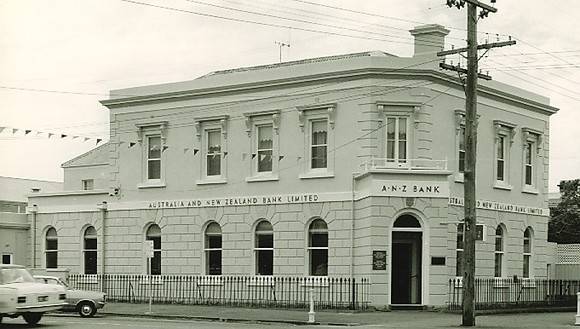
x=15 y=275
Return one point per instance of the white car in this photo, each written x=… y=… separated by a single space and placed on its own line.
x=85 y=302
x=21 y=295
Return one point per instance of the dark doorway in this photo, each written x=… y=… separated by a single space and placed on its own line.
x=406 y=268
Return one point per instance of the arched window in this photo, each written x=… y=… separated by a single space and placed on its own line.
x=51 y=248
x=459 y=249
x=264 y=248
x=499 y=250
x=318 y=248
x=90 y=250
x=407 y=221
x=213 y=249
x=154 y=234
x=527 y=252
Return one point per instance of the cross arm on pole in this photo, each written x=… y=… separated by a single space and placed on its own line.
x=482 y=46
x=462 y=70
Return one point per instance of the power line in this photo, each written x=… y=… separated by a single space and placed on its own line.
x=240 y=20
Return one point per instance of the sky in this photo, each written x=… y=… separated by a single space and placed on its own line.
x=58 y=58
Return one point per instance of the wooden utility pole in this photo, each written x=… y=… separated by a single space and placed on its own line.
x=468 y=318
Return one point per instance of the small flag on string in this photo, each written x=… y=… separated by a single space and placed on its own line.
x=38 y=133
x=50 y=135
x=14 y=130
x=185 y=150
x=75 y=137
x=253 y=155
x=62 y=135
x=98 y=141
x=2 y=129
x=225 y=154
x=165 y=147
x=131 y=144
x=244 y=155
x=280 y=157
x=85 y=139
x=27 y=131
x=195 y=151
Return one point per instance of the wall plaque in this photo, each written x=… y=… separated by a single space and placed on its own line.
x=379 y=260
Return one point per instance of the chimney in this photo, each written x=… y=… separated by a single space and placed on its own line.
x=429 y=39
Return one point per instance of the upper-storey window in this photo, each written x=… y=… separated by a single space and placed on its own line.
x=213 y=152
x=461 y=150
x=152 y=138
x=318 y=126
x=154 y=157
x=500 y=159
x=263 y=132
x=88 y=184
x=212 y=135
x=397 y=139
x=264 y=148
x=504 y=135
x=318 y=144
x=531 y=141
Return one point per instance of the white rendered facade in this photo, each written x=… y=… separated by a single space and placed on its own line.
x=269 y=169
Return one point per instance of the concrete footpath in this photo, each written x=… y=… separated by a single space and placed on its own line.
x=393 y=319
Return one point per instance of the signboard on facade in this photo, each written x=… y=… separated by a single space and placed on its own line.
x=379 y=260
x=506 y=207
x=411 y=189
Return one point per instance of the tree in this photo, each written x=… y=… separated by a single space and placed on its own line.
x=564 y=225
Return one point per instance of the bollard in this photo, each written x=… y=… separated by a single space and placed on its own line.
x=578 y=310
x=311 y=314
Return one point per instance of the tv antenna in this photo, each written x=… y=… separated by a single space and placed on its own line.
x=280 y=45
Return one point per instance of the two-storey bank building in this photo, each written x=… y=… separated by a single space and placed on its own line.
x=343 y=166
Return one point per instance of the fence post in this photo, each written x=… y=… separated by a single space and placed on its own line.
x=578 y=310
x=311 y=314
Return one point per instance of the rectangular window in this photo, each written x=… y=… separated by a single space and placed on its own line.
x=461 y=155
x=319 y=144
x=528 y=163
x=500 y=156
x=213 y=152
x=264 y=148
x=154 y=157
x=397 y=138
x=88 y=184
x=6 y=258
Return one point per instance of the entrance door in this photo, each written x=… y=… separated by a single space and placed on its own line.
x=406 y=261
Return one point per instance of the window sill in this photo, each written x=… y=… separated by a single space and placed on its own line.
x=209 y=181
x=530 y=190
x=459 y=178
x=502 y=186
x=151 y=185
x=262 y=178
x=310 y=175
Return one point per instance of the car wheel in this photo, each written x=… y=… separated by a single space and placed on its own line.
x=32 y=318
x=87 y=309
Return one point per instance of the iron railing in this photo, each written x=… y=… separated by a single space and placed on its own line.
x=498 y=293
x=246 y=291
